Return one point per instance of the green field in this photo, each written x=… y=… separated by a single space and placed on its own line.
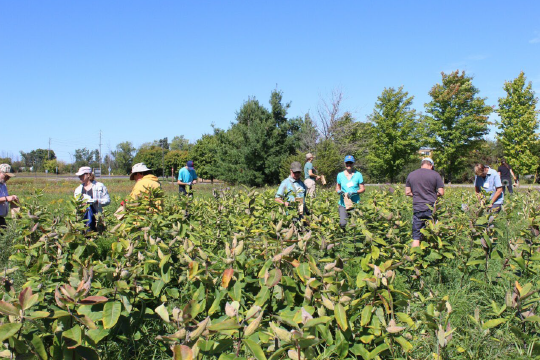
x=233 y=275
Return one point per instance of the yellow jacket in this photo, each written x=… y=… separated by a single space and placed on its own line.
x=148 y=181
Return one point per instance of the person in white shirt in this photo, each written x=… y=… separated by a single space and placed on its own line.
x=93 y=192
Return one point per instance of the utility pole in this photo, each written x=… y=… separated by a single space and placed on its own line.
x=99 y=153
x=49 y=151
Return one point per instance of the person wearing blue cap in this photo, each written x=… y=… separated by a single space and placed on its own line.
x=349 y=185
x=186 y=177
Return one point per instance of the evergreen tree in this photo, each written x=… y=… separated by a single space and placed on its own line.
x=518 y=125
x=203 y=153
x=252 y=150
x=396 y=134
x=457 y=121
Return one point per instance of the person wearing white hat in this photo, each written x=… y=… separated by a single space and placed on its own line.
x=425 y=185
x=144 y=180
x=5 y=198
x=93 y=192
x=310 y=176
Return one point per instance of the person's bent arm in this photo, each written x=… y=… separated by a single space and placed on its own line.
x=361 y=188
x=498 y=193
x=281 y=201
x=440 y=192
x=338 y=188
x=181 y=183
x=408 y=191
x=9 y=198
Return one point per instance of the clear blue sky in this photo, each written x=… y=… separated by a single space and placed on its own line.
x=143 y=70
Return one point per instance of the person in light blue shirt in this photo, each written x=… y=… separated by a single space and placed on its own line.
x=310 y=175
x=350 y=184
x=186 y=177
x=292 y=189
x=489 y=180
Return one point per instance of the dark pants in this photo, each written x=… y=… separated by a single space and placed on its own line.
x=343 y=216
x=3 y=224
x=507 y=184
x=183 y=191
x=419 y=222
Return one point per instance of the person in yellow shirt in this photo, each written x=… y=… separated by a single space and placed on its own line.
x=144 y=180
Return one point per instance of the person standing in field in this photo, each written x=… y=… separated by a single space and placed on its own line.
x=93 y=192
x=488 y=180
x=292 y=189
x=349 y=185
x=5 y=198
x=186 y=177
x=507 y=176
x=310 y=176
x=144 y=180
x=425 y=185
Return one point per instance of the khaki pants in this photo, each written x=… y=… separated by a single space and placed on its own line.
x=310 y=186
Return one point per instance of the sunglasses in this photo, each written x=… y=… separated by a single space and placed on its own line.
x=349 y=163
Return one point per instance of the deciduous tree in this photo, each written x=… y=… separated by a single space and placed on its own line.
x=396 y=134
x=518 y=125
x=457 y=121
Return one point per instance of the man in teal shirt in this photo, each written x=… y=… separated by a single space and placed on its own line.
x=310 y=176
x=292 y=188
x=186 y=177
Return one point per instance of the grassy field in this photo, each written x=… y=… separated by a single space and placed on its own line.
x=471 y=291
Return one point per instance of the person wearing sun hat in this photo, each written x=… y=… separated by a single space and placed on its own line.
x=186 y=177
x=349 y=185
x=144 y=180
x=425 y=185
x=94 y=193
x=5 y=198
x=310 y=176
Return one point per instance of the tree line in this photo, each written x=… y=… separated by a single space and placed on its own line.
x=262 y=141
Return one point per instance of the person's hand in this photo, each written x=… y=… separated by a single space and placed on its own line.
x=193 y=182
x=350 y=195
x=490 y=205
x=189 y=183
x=286 y=203
x=11 y=198
x=318 y=177
x=341 y=192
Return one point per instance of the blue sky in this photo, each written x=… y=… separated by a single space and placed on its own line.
x=144 y=70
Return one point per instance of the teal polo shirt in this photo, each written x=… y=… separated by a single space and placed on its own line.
x=187 y=176
x=352 y=185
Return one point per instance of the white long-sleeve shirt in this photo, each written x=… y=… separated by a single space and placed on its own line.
x=99 y=194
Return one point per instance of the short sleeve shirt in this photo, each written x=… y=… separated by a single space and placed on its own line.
x=307 y=167
x=490 y=183
x=424 y=184
x=352 y=185
x=4 y=207
x=291 y=189
x=187 y=176
x=505 y=172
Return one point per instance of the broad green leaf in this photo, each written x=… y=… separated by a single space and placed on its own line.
x=229 y=324
x=535 y=318
x=317 y=321
x=255 y=349
x=26 y=299
x=161 y=310
x=157 y=285
x=8 y=309
x=262 y=296
x=405 y=345
x=492 y=323
x=341 y=317
x=378 y=350
x=97 y=334
x=111 y=314
x=366 y=315
x=75 y=335
x=8 y=330
x=39 y=348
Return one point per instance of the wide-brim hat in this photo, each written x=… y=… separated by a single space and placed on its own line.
x=6 y=169
x=309 y=156
x=429 y=160
x=138 y=168
x=84 y=170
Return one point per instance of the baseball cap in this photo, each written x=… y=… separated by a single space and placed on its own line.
x=309 y=156
x=84 y=170
x=6 y=169
x=190 y=165
x=138 y=168
x=349 y=158
x=428 y=159
x=296 y=166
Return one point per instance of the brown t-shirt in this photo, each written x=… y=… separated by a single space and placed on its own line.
x=424 y=184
